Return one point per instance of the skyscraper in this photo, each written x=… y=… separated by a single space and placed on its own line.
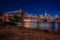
x=45 y=13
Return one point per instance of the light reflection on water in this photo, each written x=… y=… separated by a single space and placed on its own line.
x=51 y=26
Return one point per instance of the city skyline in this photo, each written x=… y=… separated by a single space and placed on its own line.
x=26 y=13
x=31 y=6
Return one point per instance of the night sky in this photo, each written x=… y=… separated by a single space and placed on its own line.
x=31 y=6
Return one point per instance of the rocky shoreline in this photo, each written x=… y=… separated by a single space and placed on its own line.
x=18 y=33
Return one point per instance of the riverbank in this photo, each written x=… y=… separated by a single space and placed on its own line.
x=18 y=33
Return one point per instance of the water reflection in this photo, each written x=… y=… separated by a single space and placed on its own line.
x=51 y=26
